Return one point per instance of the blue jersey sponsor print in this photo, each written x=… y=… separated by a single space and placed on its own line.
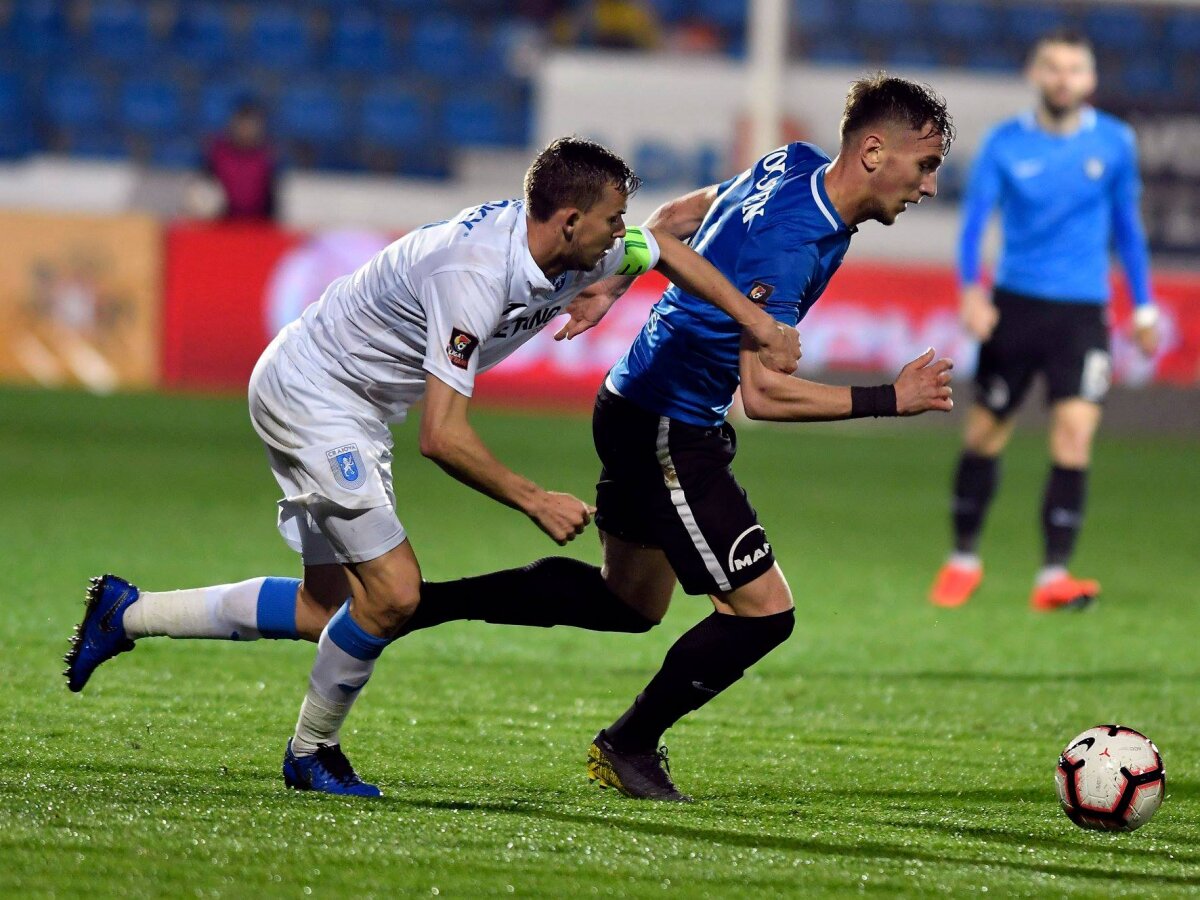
x=775 y=234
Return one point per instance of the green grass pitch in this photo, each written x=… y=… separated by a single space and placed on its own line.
x=888 y=748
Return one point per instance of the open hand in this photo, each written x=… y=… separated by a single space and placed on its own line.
x=586 y=310
x=924 y=385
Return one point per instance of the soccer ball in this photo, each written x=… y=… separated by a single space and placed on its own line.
x=1110 y=778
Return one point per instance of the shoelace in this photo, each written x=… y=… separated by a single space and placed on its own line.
x=661 y=756
x=337 y=765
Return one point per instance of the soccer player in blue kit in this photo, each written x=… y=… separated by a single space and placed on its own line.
x=1066 y=180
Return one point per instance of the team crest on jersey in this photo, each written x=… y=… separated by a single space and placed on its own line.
x=1094 y=168
x=460 y=348
x=347 y=466
x=760 y=293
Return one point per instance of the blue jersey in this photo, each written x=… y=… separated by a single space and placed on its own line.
x=773 y=232
x=1064 y=200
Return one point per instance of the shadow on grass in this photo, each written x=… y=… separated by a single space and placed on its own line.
x=855 y=848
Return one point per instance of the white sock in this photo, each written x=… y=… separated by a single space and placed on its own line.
x=227 y=611
x=966 y=561
x=1048 y=574
x=337 y=679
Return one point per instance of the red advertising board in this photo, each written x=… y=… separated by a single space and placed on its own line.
x=229 y=288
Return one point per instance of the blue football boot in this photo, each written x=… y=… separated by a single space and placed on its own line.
x=101 y=634
x=327 y=771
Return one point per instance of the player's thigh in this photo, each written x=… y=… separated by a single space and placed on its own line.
x=1010 y=358
x=385 y=591
x=1081 y=366
x=985 y=434
x=766 y=595
x=640 y=575
x=1073 y=424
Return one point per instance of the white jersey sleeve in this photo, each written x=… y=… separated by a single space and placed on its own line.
x=462 y=308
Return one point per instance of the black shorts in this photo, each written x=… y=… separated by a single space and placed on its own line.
x=668 y=484
x=1066 y=342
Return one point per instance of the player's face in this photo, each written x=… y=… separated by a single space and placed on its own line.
x=1064 y=75
x=907 y=173
x=597 y=229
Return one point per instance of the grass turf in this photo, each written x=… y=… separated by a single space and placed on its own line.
x=889 y=747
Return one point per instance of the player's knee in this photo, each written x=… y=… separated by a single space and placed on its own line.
x=386 y=611
x=1071 y=444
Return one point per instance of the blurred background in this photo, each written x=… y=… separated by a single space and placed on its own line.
x=179 y=179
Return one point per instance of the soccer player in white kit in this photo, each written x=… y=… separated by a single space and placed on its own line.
x=420 y=319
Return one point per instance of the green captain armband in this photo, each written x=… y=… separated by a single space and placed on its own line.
x=637 y=260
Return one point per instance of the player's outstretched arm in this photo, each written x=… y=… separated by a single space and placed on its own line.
x=923 y=385
x=777 y=344
x=449 y=440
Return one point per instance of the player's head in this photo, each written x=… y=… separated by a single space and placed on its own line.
x=1063 y=69
x=895 y=134
x=580 y=188
x=248 y=124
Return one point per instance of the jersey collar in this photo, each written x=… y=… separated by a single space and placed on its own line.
x=816 y=183
x=1087 y=121
x=532 y=271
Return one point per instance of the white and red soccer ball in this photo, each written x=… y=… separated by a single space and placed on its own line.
x=1110 y=778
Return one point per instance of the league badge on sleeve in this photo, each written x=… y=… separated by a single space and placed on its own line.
x=347 y=466
x=760 y=292
x=460 y=348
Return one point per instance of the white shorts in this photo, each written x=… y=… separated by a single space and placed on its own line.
x=333 y=461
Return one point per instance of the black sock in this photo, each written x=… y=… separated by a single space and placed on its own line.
x=974 y=484
x=1062 y=512
x=552 y=591
x=705 y=661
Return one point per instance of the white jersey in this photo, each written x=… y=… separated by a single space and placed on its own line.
x=453 y=298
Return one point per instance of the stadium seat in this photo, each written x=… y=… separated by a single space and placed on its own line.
x=966 y=22
x=278 y=38
x=75 y=101
x=39 y=29
x=511 y=46
x=1122 y=29
x=729 y=14
x=1147 y=77
x=484 y=120
x=815 y=17
x=1025 y=24
x=892 y=20
x=911 y=55
x=443 y=46
x=151 y=105
x=178 y=152
x=218 y=101
x=13 y=105
x=995 y=58
x=98 y=143
x=359 y=43
x=1182 y=30
x=836 y=51
x=119 y=32
x=311 y=112
x=203 y=35
x=395 y=118
x=670 y=11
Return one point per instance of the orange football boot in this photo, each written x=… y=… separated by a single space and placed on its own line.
x=1064 y=592
x=955 y=584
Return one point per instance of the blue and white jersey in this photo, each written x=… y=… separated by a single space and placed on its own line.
x=774 y=233
x=1064 y=201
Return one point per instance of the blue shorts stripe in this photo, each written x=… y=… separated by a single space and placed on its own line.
x=277 y=608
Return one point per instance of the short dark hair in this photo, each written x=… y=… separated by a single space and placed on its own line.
x=885 y=98
x=573 y=171
x=1067 y=36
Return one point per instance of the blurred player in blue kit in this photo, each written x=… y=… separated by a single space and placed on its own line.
x=1065 y=177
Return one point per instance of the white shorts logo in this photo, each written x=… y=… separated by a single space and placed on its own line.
x=751 y=554
x=347 y=466
x=997 y=393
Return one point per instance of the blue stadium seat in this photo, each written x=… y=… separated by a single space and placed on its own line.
x=395 y=118
x=484 y=120
x=1182 y=30
x=218 y=100
x=119 y=32
x=311 y=112
x=443 y=46
x=203 y=34
x=278 y=38
x=966 y=22
x=1025 y=24
x=151 y=105
x=13 y=107
x=891 y=20
x=359 y=43
x=813 y=17
x=98 y=143
x=836 y=51
x=39 y=29
x=670 y=10
x=179 y=152
x=75 y=101
x=1147 y=77
x=1126 y=30
x=995 y=58
x=17 y=140
x=908 y=55
x=729 y=14
x=505 y=43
